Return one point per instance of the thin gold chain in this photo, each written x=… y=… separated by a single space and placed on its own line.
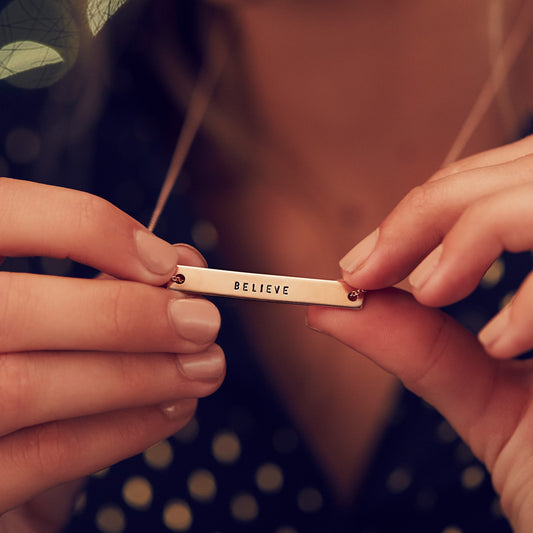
x=503 y=62
x=212 y=70
x=196 y=111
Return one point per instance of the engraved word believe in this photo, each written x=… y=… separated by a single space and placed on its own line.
x=263 y=287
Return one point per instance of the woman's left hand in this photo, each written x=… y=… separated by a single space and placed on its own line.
x=445 y=234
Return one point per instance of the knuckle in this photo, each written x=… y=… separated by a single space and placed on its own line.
x=139 y=375
x=48 y=449
x=422 y=198
x=7 y=283
x=89 y=209
x=152 y=376
x=114 y=317
x=128 y=326
x=16 y=299
x=136 y=428
x=421 y=378
x=17 y=384
x=131 y=374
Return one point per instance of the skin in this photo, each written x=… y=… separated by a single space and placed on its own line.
x=336 y=151
x=143 y=370
x=324 y=383
x=495 y=417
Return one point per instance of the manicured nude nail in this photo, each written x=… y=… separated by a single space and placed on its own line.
x=205 y=366
x=189 y=255
x=493 y=333
x=157 y=255
x=356 y=257
x=194 y=319
x=425 y=269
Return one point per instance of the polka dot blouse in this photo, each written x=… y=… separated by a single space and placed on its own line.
x=240 y=465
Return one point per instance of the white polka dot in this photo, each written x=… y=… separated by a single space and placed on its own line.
x=472 y=477
x=399 y=480
x=159 y=456
x=22 y=145
x=110 y=519
x=202 y=485
x=244 y=507
x=137 y=493
x=269 y=478
x=189 y=433
x=309 y=500
x=493 y=275
x=177 y=515
x=226 y=447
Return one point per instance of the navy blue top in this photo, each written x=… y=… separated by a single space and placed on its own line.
x=241 y=465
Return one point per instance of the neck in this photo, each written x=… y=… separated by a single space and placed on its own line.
x=367 y=88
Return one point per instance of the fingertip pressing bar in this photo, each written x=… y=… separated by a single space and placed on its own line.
x=265 y=287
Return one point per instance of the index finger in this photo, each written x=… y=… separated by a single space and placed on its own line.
x=420 y=221
x=438 y=360
x=52 y=221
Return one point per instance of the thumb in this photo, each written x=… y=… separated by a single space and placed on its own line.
x=437 y=359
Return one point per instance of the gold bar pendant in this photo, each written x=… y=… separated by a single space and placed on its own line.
x=264 y=287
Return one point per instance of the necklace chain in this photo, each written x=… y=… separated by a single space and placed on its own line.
x=213 y=68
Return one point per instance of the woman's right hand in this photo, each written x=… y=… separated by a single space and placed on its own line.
x=92 y=371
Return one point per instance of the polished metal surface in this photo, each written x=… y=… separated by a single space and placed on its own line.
x=265 y=287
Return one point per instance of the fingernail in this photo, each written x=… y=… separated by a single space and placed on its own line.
x=425 y=269
x=195 y=319
x=157 y=255
x=206 y=366
x=189 y=255
x=355 y=258
x=494 y=330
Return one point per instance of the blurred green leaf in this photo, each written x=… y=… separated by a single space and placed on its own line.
x=40 y=39
x=20 y=56
x=100 y=11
